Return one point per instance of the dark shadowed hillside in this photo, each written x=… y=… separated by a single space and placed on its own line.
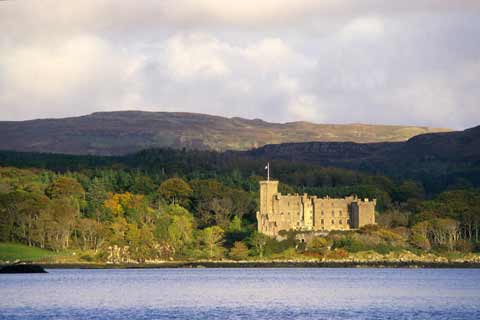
x=117 y=133
x=436 y=158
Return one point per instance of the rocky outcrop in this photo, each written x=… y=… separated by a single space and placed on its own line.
x=22 y=268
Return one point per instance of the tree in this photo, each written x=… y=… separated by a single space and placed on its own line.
x=212 y=239
x=141 y=243
x=445 y=232
x=393 y=219
x=259 y=242
x=175 y=190
x=319 y=245
x=60 y=224
x=143 y=185
x=239 y=251
x=91 y=233
x=180 y=231
x=222 y=209
x=409 y=190
x=65 y=187
x=235 y=225
x=96 y=196
x=131 y=206
x=420 y=235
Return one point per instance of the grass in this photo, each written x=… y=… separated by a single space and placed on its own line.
x=15 y=251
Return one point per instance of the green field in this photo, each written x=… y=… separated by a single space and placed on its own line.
x=15 y=251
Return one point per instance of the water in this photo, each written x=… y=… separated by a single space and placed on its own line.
x=243 y=294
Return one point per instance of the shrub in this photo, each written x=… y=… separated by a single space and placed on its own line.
x=337 y=254
x=369 y=228
x=87 y=257
x=319 y=245
x=463 y=246
x=384 y=248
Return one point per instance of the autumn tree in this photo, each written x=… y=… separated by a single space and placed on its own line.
x=239 y=251
x=65 y=187
x=131 y=206
x=91 y=232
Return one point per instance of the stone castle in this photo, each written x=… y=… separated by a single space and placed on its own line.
x=309 y=213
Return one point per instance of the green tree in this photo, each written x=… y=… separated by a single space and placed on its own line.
x=235 y=225
x=409 y=190
x=175 y=190
x=180 y=232
x=143 y=185
x=212 y=239
x=259 y=242
x=96 y=196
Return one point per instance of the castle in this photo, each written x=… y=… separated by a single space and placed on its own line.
x=310 y=213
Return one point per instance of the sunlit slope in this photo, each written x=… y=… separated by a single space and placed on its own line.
x=117 y=133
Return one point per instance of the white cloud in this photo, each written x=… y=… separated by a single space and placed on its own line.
x=187 y=56
x=331 y=60
x=363 y=27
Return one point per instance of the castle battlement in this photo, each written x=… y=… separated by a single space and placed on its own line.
x=310 y=213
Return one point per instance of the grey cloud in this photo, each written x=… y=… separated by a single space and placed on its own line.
x=324 y=61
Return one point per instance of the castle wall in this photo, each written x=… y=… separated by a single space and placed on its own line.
x=363 y=213
x=331 y=214
x=304 y=213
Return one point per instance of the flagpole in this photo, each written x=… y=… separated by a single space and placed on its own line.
x=268 y=171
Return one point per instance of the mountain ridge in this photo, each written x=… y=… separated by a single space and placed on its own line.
x=123 y=132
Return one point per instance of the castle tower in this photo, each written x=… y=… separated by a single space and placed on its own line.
x=267 y=190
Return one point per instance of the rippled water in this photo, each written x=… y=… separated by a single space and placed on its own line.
x=243 y=294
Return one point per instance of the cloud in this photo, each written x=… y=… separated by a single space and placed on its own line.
x=324 y=61
x=81 y=72
x=196 y=55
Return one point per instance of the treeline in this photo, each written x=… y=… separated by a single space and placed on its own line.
x=190 y=205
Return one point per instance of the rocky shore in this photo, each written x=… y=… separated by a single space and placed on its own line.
x=270 y=264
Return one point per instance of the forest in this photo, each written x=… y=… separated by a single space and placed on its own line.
x=160 y=205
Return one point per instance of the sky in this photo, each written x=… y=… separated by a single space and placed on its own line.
x=324 y=61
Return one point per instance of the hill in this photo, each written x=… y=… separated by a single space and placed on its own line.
x=118 y=133
x=436 y=159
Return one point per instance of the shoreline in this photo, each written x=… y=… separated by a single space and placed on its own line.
x=265 y=264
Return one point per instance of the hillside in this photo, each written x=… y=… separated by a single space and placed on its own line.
x=438 y=159
x=117 y=133
x=457 y=146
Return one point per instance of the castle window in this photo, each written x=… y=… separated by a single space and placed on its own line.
x=333 y=213
x=322 y=212
x=340 y=221
x=333 y=221
x=321 y=221
x=340 y=213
